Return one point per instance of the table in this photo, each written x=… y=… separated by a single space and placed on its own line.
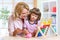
x=37 y=38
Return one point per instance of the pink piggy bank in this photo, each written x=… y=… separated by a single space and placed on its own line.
x=29 y=35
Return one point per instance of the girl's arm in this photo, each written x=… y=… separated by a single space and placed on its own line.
x=34 y=33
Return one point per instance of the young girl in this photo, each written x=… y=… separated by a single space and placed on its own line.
x=33 y=21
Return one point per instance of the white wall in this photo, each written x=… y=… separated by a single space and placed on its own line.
x=59 y=16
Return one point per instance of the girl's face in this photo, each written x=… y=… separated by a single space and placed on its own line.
x=33 y=17
x=24 y=13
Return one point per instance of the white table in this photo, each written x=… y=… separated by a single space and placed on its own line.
x=39 y=38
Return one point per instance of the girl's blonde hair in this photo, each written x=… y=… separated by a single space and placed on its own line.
x=18 y=9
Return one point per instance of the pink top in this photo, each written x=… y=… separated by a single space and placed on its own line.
x=12 y=25
x=31 y=27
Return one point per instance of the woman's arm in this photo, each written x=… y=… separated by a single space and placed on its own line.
x=14 y=26
x=10 y=25
x=17 y=31
x=12 y=30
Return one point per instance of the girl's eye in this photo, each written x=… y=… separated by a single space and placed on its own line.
x=36 y=16
x=33 y=15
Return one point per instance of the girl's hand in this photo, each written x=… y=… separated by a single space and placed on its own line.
x=34 y=33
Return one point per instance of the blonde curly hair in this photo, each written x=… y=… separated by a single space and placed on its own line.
x=19 y=7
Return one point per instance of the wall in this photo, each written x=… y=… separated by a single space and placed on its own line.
x=59 y=16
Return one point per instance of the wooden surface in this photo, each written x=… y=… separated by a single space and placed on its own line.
x=39 y=38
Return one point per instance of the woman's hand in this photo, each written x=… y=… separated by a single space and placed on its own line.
x=17 y=31
x=25 y=31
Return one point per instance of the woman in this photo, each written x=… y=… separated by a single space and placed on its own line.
x=15 y=23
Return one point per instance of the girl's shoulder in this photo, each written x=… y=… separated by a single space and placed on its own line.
x=39 y=21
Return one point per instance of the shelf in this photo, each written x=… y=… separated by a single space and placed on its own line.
x=53 y=24
x=49 y=6
x=49 y=13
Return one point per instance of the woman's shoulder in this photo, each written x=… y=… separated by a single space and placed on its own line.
x=11 y=19
x=25 y=21
x=18 y=20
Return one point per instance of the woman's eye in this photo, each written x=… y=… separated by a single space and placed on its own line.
x=19 y=14
x=23 y=13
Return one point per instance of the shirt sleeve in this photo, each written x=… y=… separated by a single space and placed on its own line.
x=18 y=24
x=39 y=23
x=14 y=24
x=10 y=26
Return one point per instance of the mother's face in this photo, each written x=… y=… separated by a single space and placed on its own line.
x=24 y=13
